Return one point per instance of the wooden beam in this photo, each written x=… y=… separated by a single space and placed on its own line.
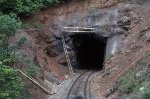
x=34 y=81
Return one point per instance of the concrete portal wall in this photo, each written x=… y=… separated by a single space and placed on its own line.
x=113 y=45
x=104 y=23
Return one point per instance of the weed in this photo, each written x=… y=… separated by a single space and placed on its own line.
x=147 y=53
x=25 y=26
x=21 y=41
x=136 y=82
x=30 y=68
x=91 y=8
x=128 y=82
x=37 y=25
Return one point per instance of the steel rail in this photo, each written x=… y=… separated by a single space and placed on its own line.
x=72 y=89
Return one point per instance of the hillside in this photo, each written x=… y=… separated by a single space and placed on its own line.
x=55 y=47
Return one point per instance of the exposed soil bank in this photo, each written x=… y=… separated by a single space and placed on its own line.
x=134 y=46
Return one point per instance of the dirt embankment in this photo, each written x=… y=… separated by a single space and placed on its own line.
x=134 y=46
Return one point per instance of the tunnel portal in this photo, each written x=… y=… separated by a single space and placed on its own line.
x=89 y=51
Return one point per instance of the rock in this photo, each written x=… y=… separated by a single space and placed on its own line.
x=66 y=76
x=145 y=29
x=124 y=21
x=139 y=74
x=54 y=49
x=49 y=39
x=118 y=30
x=142 y=88
x=68 y=48
x=55 y=30
x=62 y=60
x=147 y=36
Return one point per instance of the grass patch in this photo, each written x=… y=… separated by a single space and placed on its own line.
x=135 y=83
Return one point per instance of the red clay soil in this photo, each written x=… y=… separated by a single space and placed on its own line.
x=45 y=62
x=134 y=47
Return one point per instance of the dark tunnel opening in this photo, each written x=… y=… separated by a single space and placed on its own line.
x=89 y=51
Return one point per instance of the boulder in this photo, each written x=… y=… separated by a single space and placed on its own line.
x=54 y=49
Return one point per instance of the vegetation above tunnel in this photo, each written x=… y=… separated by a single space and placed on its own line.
x=25 y=7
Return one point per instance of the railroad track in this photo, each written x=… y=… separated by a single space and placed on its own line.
x=80 y=88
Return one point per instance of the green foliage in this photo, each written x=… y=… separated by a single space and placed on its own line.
x=47 y=3
x=37 y=25
x=2 y=39
x=147 y=53
x=131 y=84
x=24 y=94
x=8 y=25
x=2 y=51
x=30 y=68
x=25 y=26
x=145 y=94
x=24 y=7
x=91 y=8
x=11 y=84
x=136 y=82
x=21 y=41
x=128 y=82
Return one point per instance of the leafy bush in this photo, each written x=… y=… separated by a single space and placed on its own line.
x=136 y=82
x=30 y=68
x=128 y=82
x=11 y=84
x=8 y=26
x=145 y=94
x=24 y=7
x=47 y=3
x=132 y=84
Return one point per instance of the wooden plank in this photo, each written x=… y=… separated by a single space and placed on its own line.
x=34 y=81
